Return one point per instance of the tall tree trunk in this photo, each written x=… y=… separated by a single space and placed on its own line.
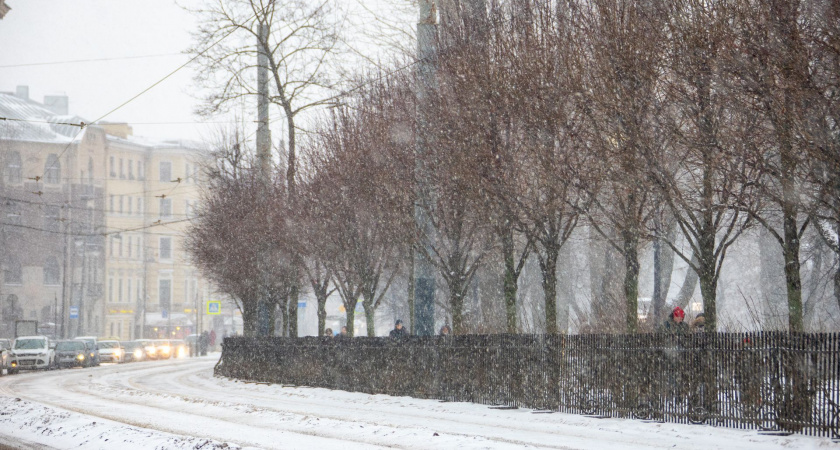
x=294 y=296
x=411 y=291
x=631 y=278
x=548 y=267
x=250 y=318
x=350 y=314
x=321 y=298
x=370 y=314
x=790 y=246
x=511 y=277
x=456 y=303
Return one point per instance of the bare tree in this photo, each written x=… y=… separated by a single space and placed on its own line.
x=772 y=69
x=360 y=196
x=237 y=239
x=623 y=46
x=706 y=176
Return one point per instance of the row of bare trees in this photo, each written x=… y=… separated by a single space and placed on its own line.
x=680 y=122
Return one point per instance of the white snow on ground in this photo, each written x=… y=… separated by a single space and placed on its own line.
x=178 y=404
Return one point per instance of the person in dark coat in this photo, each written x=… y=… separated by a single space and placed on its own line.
x=399 y=330
x=675 y=323
x=699 y=324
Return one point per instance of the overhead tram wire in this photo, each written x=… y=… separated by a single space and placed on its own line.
x=197 y=55
x=74 y=61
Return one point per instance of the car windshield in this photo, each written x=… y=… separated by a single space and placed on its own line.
x=132 y=345
x=77 y=345
x=30 y=344
x=109 y=345
x=5 y=345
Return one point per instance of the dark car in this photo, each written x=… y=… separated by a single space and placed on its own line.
x=5 y=354
x=94 y=346
x=134 y=351
x=75 y=353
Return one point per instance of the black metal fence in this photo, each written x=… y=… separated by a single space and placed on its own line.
x=787 y=382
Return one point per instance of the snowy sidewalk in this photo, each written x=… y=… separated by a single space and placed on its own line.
x=179 y=404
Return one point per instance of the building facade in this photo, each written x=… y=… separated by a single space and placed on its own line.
x=92 y=223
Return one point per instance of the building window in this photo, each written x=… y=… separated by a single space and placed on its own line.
x=165 y=248
x=140 y=174
x=52 y=170
x=166 y=207
x=13 y=274
x=130 y=242
x=121 y=204
x=113 y=168
x=52 y=272
x=165 y=171
x=90 y=170
x=13 y=215
x=128 y=290
x=110 y=290
x=130 y=169
x=52 y=217
x=120 y=291
x=129 y=203
x=138 y=290
x=122 y=169
x=13 y=168
x=140 y=205
x=165 y=294
x=111 y=203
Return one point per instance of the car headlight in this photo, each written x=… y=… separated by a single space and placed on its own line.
x=81 y=357
x=138 y=353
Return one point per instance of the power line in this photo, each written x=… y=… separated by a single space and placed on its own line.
x=12 y=119
x=147 y=90
x=74 y=61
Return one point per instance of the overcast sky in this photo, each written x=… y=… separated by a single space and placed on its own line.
x=52 y=31
x=143 y=41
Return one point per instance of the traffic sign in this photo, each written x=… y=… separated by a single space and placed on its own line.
x=74 y=312
x=214 y=307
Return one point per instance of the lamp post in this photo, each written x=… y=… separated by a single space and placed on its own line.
x=80 y=245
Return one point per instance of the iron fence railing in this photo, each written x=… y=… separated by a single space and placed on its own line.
x=771 y=381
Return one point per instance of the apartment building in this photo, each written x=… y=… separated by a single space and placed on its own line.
x=153 y=290
x=92 y=223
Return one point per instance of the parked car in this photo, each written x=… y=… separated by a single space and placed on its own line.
x=32 y=352
x=179 y=348
x=74 y=353
x=134 y=351
x=5 y=354
x=164 y=350
x=110 y=351
x=94 y=342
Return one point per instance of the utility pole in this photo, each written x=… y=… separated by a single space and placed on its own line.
x=263 y=149
x=263 y=133
x=424 y=271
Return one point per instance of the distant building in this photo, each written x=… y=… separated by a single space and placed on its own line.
x=108 y=207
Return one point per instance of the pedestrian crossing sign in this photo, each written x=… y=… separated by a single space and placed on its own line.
x=214 y=307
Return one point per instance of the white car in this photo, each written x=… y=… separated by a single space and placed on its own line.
x=32 y=352
x=110 y=351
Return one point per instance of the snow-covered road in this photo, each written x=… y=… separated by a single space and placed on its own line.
x=179 y=404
